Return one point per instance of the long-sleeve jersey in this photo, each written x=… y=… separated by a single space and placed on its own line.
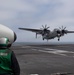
x=14 y=64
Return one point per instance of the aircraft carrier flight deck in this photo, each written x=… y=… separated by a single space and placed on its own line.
x=45 y=59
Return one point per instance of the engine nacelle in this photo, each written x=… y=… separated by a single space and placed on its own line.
x=8 y=33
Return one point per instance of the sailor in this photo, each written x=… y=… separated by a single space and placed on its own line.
x=8 y=61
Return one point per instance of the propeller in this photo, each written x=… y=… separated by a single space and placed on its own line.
x=45 y=29
x=63 y=31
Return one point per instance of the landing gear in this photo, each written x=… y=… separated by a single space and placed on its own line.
x=43 y=38
x=58 y=39
x=36 y=35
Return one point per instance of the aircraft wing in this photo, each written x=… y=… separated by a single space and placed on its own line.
x=33 y=30
x=69 y=31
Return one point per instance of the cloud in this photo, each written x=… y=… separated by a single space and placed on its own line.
x=13 y=8
x=15 y=5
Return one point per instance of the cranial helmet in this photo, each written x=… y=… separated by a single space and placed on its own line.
x=4 y=42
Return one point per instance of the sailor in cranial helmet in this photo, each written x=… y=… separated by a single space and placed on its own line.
x=8 y=62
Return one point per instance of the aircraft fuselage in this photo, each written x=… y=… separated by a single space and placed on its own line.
x=51 y=35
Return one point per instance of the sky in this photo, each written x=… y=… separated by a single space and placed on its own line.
x=34 y=14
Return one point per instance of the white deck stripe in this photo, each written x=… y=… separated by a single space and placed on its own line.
x=54 y=51
x=49 y=50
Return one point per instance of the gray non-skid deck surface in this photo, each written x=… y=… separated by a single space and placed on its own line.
x=45 y=59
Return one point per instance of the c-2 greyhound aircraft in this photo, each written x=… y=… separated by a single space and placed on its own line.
x=47 y=34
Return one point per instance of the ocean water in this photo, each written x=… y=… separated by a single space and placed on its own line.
x=41 y=43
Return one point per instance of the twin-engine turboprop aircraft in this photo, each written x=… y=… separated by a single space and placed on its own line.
x=44 y=32
x=48 y=34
